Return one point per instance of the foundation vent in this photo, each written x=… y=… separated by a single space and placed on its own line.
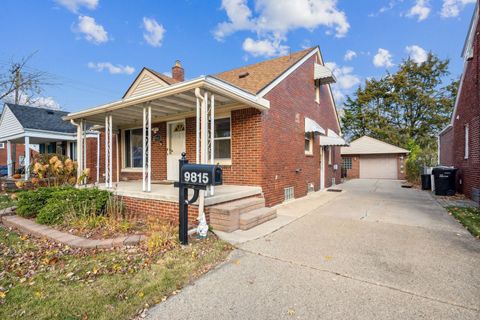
x=289 y=193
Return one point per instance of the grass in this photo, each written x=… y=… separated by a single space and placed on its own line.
x=45 y=280
x=469 y=217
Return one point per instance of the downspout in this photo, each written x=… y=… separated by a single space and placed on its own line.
x=202 y=228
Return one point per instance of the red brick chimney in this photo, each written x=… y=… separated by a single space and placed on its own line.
x=177 y=71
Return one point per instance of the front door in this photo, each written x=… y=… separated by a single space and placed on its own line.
x=175 y=147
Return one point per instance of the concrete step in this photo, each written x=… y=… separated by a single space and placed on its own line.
x=238 y=206
x=226 y=216
x=255 y=217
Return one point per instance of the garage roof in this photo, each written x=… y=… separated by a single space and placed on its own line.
x=368 y=145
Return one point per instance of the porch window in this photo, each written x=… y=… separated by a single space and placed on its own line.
x=73 y=151
x=223 y=139
x=308 y=143
x=2 y=145
x=133 y=148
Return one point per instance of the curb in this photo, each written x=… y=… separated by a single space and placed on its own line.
x=41 y=231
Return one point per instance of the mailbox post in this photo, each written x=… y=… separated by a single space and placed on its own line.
x=197 y=177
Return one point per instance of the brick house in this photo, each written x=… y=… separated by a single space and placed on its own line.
x=459 y=143
x=369 y=158
x=272 y=126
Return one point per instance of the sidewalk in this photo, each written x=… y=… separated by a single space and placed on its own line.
x=286 y=214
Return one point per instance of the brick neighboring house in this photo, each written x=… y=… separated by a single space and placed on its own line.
x=18 y=152
x=369 y=158
x=275 y=131
x=459 y=143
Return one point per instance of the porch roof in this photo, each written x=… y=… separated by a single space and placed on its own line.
x=173 y=101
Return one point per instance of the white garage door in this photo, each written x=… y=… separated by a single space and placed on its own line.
x=378 y=167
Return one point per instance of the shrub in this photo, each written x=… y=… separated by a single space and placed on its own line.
x=31 y=202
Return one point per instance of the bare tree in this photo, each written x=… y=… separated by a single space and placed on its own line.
x=22 y=84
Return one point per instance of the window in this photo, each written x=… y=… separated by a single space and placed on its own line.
x=73 y=151
x=330 y=156
x=317 y=91
x=308 y=143
x=223 y=139
x=289 y=193
x=466 y=141
x=347 y=163
x=133 y=148
x=2 y=145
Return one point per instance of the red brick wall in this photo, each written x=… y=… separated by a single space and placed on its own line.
x=468 y=113
x=446 y=148
x=20 y=149
x=285 y=163
x=91 y=159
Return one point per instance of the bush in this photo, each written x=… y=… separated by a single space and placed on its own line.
x=31 y=202
x=50 y=205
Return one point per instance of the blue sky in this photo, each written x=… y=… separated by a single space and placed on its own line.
x=93 y=49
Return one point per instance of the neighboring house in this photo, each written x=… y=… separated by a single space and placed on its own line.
x=369 y=158
x=459 y=143
x=25 y=127
x=275 y=131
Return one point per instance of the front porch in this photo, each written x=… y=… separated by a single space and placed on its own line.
x=166 y=192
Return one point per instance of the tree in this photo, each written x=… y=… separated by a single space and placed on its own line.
x=21 y=84
x=408 y=107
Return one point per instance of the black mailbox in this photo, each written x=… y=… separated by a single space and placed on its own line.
x=201 y=175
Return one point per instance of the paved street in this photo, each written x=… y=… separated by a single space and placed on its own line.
x=376 y=251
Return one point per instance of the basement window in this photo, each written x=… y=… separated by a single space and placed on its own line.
x=310 y=187
x=288 y=193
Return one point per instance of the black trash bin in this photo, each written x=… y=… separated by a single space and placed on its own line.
x=426 y=181
x=444 y=181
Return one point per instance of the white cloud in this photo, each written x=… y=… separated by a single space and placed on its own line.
x=417 y=53
x=74 y=5
x=421 y=10
x=112 y=69
x=346 y=80
x=273 y=19
x=383 y=58
x=452 y=8
x=92 y=31
x=154 y=32
x=40 y=101
x=349 y=55
x=265 y=48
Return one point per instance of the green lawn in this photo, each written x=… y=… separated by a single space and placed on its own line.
x=6 y=202
x=469 y=217
x=40 y=279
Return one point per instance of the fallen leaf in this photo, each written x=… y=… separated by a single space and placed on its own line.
x=3 y=295
x=290 y=312
x=141 y=294
x=236 y=261
x=328 y=258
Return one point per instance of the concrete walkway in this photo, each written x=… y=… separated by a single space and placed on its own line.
x=376 y=251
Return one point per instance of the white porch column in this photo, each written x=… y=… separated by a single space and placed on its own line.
x=197 y=133
x=146 y=149
x=27 y=157
x=9 y=159
x=84 y=144
x=107 y=146
x=212 y=136
x=98 y=157
x=79 y=150
x=110 y=149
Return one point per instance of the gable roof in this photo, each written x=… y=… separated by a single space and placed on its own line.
x=263 y=73
x=162 y=79
x=368 y=145
x=38 y=118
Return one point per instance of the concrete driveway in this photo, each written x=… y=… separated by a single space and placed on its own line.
x=375 y=251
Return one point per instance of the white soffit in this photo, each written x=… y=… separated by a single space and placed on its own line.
x=312 y=126
x=323 y=74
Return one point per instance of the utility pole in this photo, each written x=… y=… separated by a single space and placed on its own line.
x=17 y=83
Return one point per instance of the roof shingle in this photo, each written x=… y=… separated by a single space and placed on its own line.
x=41 y=118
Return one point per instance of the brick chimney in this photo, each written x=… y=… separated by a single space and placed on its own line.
x=177 y=71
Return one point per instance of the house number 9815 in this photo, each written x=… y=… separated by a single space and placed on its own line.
x=196 y=177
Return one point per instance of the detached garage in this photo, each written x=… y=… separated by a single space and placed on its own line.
x=369 y=158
